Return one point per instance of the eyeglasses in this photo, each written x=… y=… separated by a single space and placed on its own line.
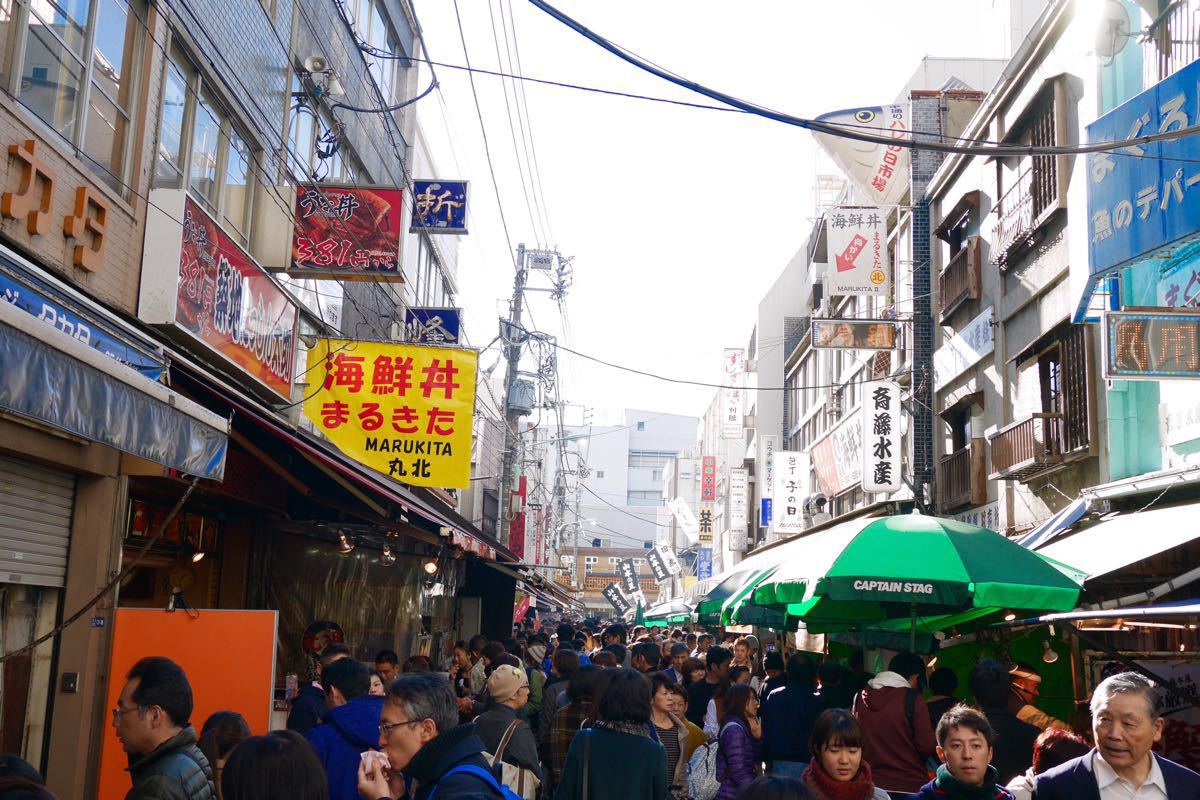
x=386 y=728
x=118 y=711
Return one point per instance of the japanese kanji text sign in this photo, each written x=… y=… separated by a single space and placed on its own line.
x=857 y=237
x=732 y=424
x=347 y=232
x=231 y=305
x=684 y=517
x=704 y=563
x=658 y=566
x=629 y=577
x=667 y=556
x=1152 y=346
x=881 y=437
x=439 y=207
x=404 y=410
x=1144 y=198
x=739 y=503
x=853 y=334
x=708 y=479
x=879 y=171
x=612 y=593
x=791 y=488
x=705 y=524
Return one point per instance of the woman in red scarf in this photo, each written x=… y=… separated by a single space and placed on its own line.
x=837 y=770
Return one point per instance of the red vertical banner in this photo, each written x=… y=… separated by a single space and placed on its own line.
x=708 y=479
x=537 y=537
x=516 y=530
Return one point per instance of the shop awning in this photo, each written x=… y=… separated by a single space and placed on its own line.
x=1126 y=539
x=51 y=377
x=1050 y=529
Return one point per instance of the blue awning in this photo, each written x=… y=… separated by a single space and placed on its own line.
x=51 y=377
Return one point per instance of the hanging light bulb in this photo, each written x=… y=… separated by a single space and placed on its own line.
x=430 y=566
x=345 y=546
x=1048 y=653
x=198 y=556
x=1010 y=616
x=387 y=557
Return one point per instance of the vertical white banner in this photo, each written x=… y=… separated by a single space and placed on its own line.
x=732 y=423
x=790 y=491
x=685 y=518
x=881 y=437
x=669 y=559
x=739 y=485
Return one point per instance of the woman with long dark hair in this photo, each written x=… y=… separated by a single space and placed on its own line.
x=222 y=731
x=616 y=759
x=279 y=766
x=739 y=741
x=837 y=770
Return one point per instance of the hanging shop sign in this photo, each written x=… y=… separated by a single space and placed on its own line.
x=404 y=410
x=964 y=349
x=734 y=365
x=441 y=326
x=25 y=290
x=837 y=458
x=1145 y=198
x=347 y=232
x=439 y=207
x=669 y=560
x=791 y=488
x=706 y=525
x=516 y=528
x=612 y=593
x=739 y=505
x=881 y=437
x=199 y=281
x=732 y=424
x=657 y=565
x=769 y=445
x=853 y=334
x=629 y=579
x=879 y=171
x=708 y=479
x=857 y=239
x=684 y=517
x=704 y=563
x=1151 y=345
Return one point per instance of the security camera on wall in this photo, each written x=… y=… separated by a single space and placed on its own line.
x=316 y=64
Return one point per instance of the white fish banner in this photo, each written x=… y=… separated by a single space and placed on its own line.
x=877 y=170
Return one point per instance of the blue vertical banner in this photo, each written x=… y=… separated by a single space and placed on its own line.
x=703 y=563
x=764 y=513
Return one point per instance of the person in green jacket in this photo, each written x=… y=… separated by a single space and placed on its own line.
x=537 y=681
x=616 y=759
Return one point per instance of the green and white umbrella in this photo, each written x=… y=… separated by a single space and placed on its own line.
x=866 y=571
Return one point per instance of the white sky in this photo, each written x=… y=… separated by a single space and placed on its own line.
x=679 y=219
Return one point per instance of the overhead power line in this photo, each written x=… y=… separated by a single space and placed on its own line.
x=818 y=126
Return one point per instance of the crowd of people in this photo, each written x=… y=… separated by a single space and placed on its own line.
x=620 y=714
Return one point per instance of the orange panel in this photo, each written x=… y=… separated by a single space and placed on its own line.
x=229 y=658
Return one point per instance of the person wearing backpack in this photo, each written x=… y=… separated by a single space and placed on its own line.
x=616 y=759
x=898 y=736
x=424 y=745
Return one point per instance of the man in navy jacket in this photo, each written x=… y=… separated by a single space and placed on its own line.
x=349 y=727
x=1127 y=721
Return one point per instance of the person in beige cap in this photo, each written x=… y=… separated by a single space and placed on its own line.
x=508 y=692
x=1025 y=684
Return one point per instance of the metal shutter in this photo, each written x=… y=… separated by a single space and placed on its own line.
x=35 y=523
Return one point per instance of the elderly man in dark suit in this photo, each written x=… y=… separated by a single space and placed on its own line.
x=1127 y=721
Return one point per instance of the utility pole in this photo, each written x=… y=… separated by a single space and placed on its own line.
x=514 y=339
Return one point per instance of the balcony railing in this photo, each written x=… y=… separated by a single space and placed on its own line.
x=1014 y=219
x=1175 y=42
x=962 y=477
x=1027 y=447
x=959 y=281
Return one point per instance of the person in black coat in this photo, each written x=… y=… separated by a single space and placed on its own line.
x=421 y=741
x=788 y=716
x=1126 y=720
x=308 y=706
x=1012 y=754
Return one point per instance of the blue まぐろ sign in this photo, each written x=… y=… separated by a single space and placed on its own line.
x=1144 y=198
x=439 y=207
x=433 y=325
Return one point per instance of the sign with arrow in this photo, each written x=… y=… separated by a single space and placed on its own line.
x=857 y=237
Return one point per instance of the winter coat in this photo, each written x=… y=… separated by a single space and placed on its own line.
x=1012 y=753
x=897 y=760
x=175 y=770
x=537 y=684
x=1076 y=780
x=345 y=732
x=522 y=746
x=621 y=766
x=788 y=715
x=308 y=706
x=737 y=759
x=459 y=745
x=690 y=737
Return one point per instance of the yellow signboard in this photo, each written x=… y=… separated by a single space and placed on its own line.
x=402 y=409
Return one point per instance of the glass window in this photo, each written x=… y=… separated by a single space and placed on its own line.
x=92 y=114
x=169 y=169
x=237 y=184
x=206 y=142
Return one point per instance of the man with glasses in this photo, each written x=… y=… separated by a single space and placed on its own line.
x=423 y=743
x=151 y=719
